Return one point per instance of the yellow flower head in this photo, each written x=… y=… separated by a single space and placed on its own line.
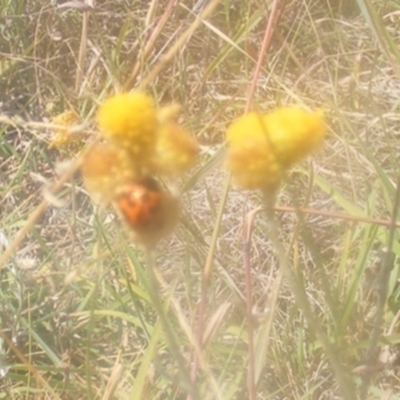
x=294 y=133
x=262 y=147
x=176 y=149
x=63 y=138
x=249 y=157
x=106 y=168
x=129 y=120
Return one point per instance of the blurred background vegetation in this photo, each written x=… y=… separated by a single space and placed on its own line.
x=76 y=319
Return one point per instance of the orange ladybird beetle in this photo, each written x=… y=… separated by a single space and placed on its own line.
x=149 y=211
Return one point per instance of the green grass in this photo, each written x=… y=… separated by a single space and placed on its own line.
x=82 y=316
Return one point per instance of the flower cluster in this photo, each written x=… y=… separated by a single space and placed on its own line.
x=261 y=147
x=63 y=138
x=140 y=143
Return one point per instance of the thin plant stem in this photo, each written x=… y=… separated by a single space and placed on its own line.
x=82 y=51
x=247 y=267
x=114 y=379
x=263 y=51
x=31 y=369
x=249 y=225
x=332 y=214
x=300 y=295
x=171 y=336
x=382 y=292
x=152 y=39
x=307 y=239
x=37 y=213
x=167 y=57
x=205 y=284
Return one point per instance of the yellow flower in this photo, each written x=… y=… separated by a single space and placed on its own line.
x=129 y=120
x=249 y=157
x=262 y=147
x=63 y=138
x=294 y=133
x=105 y=169
x=176 y=150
